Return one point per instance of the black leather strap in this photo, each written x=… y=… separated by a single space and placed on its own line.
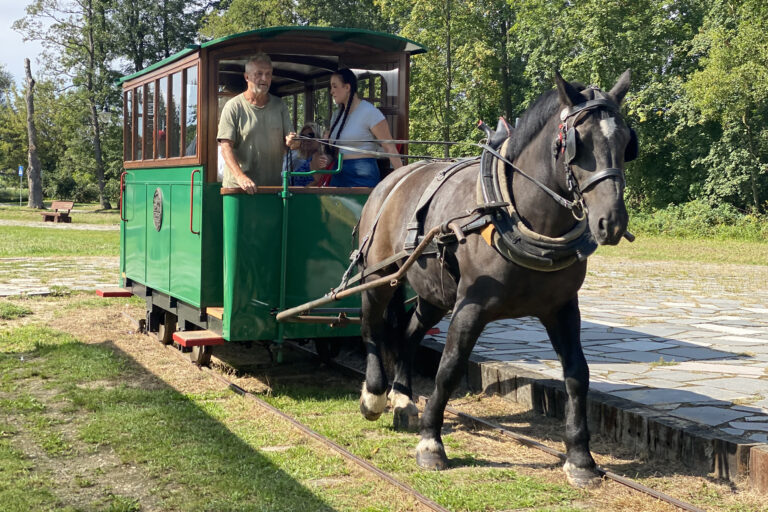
x=610 y=172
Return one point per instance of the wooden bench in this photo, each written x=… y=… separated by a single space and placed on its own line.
x=60 y=212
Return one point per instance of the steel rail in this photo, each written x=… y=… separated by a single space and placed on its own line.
x=318 y=437
x=468 y=418
x=532 y=443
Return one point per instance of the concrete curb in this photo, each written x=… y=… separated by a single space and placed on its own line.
x=649 y=433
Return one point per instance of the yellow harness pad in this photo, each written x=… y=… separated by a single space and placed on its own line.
x=487 y=234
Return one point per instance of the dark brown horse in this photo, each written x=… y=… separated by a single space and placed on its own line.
x=475 y=282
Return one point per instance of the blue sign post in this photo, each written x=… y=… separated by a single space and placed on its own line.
x=21 y=173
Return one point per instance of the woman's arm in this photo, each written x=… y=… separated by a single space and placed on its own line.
x=381 y=131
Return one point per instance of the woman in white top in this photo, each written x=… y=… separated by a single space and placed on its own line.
x=357 y=119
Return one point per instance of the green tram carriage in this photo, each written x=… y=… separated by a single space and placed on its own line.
x=216 y=265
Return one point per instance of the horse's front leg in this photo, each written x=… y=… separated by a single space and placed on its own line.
x=466 y=326
x=422 y=318
x=564 y=328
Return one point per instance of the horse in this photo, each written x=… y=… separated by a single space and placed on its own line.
x=573 y=127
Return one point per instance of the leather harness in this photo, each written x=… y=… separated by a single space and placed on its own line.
x=495 y=215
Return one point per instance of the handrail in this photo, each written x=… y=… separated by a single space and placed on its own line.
x=192 y=201
x=122 y=187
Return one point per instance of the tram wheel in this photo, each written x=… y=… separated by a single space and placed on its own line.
x=200 y=356
x=166 y=329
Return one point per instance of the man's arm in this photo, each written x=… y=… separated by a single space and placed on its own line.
x=228 y=153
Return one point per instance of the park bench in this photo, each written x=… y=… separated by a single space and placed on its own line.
x=59 y=212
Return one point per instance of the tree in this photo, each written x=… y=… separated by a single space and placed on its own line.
x=33 y=168
x=244 y=15
x=731 y=88
x=77 y=40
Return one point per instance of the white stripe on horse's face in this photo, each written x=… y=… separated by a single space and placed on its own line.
x=608 y=127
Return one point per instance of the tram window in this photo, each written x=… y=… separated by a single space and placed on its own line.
x=149 y=117
x=190 y=130
x=175 y=117
x=161 y=119
x=128 y=128
x=139 y=126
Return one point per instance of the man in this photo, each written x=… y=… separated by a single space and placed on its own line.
x=254 y=130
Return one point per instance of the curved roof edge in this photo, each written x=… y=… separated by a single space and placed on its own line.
x=380 y=40
x=183 y=53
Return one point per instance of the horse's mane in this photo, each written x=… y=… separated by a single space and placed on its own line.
x=534 y=119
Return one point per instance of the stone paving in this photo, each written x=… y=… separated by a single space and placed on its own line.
x=689 y=340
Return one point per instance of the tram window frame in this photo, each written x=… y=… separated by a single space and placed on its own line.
x=130 y=121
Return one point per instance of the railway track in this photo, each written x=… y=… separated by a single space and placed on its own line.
x=475 y=423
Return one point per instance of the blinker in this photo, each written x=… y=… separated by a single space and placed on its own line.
x=570 y=145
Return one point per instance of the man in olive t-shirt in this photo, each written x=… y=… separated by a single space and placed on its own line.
x=254 y=130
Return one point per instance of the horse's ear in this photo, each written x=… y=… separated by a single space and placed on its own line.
x=568 y=93
x=622 y=86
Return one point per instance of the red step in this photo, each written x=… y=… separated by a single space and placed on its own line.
x=434 y=330
x=113 y=292
x=198 y=338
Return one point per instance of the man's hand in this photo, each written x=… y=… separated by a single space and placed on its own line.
x=246 y=184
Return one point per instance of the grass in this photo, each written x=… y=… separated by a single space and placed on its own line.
x=167 y=435
x=664 y=248
x=20 y=241
x=472 y=485
x=9 y=311
x=87 y=213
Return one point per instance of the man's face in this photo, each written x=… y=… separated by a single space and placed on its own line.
x=259 y=78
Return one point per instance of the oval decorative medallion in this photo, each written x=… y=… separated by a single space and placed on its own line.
x=157 y=209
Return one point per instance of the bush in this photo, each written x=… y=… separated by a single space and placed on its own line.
x=698 y=219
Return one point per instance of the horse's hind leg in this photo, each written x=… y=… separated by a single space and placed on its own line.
x=374 y=330
x=466 y=326
x=422 y=318
x=564 y=328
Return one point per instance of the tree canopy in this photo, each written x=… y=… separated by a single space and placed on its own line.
x=699 y=96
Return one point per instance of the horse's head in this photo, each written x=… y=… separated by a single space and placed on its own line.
x=595 y=143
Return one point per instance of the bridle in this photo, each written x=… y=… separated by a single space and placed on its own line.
x=565 y=147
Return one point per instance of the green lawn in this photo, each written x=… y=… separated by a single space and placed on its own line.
x=87 y=213
x=661 y=248
x=20 y=241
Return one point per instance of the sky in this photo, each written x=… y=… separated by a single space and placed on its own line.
x=13 y=50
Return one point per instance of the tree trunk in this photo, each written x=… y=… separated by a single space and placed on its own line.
x=34 y=173
x=448 y=117
x=755 y=169
x=91 y=87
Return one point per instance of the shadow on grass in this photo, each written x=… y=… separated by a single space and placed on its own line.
x=177 y=439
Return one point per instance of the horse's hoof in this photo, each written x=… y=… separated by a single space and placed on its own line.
x=430 y=454
x=371 y=406
x=406 y=419
x=582 y=478
x=405 y=413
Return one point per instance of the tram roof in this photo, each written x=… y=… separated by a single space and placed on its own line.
x=380 y=41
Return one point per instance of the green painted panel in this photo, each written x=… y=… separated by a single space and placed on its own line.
x=319 y=242
x=185 y=264
x=212 y=253
x=252 y=227
x=134 y=228
x=174 y=260
x=158 y=240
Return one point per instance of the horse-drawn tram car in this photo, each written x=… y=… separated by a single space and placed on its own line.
x=215 y=264
x=503 y=235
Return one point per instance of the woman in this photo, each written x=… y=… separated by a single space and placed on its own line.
x=307 y=156
x=357 y=119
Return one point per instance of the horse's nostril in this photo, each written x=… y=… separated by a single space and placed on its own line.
x=601 y=226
